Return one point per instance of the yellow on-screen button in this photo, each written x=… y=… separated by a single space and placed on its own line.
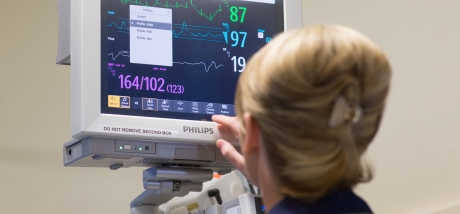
x=114 y=101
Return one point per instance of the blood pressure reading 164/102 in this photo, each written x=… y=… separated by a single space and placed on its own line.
x=179 y=59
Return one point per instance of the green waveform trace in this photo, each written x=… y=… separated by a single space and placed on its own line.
x=157 y=3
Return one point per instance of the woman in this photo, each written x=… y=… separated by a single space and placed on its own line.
x=308 y=104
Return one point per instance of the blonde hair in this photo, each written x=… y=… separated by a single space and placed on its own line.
x=290 y=87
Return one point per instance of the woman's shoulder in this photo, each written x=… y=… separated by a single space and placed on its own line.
x=340 y=201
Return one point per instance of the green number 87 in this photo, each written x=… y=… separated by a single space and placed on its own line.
x=234 y=13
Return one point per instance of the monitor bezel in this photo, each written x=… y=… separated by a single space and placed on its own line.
x=87 y=119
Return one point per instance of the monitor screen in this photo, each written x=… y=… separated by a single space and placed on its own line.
x=180 y=59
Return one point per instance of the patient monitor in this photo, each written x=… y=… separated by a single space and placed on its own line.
x=147 y=75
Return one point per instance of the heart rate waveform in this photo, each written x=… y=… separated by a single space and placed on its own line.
x=121 y=53
x=206 y=67
x=122 y=25
x=186 y=5
x=210 y=34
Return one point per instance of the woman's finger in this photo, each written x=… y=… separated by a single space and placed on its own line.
x=225 y=122
x=231 y=154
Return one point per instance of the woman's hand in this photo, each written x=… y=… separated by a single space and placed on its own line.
x=230 y=124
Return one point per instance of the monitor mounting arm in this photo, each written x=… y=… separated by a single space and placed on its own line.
x=162 y=183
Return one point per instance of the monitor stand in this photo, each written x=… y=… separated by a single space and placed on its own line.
x=162 y=183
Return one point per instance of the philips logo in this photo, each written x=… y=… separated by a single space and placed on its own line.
x=198 y=130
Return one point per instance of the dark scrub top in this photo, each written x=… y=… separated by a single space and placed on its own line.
x=341 y=201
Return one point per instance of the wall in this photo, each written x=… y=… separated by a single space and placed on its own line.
x=35 y=122
x=416 y=153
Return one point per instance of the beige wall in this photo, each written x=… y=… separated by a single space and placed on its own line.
x=416 y=154
x=35 y=122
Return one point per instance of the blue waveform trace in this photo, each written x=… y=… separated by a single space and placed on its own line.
x=122 y=53
x=206 y=67
x=203 y=33
x=207 y=40
x=197 y=26
x=210 y=34
x=123 y=27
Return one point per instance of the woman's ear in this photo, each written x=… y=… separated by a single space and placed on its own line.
x=251 y=143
